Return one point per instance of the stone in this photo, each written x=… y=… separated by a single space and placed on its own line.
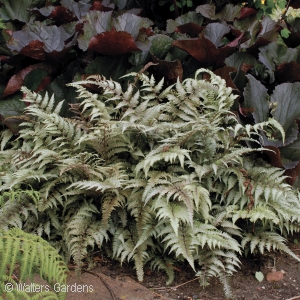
x=274 y=276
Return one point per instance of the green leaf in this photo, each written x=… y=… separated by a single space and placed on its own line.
x=34 y=78
x=275 y=54
x=110 y=67
x=237 y=59
x=61 y=91
x=11 y=110
x=3 y=47
x=139 y=58
x=259 y=276
x=18 y=10
x=12 y=106
x=190 y=17
x=285 y=33
x=161 y=45
x=120 y=3
x=292 y=151
x=178 y=4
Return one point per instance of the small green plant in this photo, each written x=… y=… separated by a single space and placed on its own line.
x=177 y=4
x=273 y=9
x=21 y=256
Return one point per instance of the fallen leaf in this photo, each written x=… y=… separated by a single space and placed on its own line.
x=259 y=276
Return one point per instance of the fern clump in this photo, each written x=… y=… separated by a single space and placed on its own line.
x=149 y=175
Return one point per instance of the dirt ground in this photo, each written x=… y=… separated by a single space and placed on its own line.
x=244 y=284
x=109 y=281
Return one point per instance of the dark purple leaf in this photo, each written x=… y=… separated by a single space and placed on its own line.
x=191 y=17
x=171 y=70
x=256 y=97
x=225 y=74
x=293 y=174
x=95 y=22
x=205 y=51
x=246 y=12
x=262 y=33
x=58 y=13
x=288 y=72
x=78 y=8
x=34 y=49
x=36 y=40
x=113 y=43
x=191 y=29
x=100 y=31
x=16 y=81
x=97 y=5
x=274 y=156
x=286 y=102
x=290 y=137
x=13 y=123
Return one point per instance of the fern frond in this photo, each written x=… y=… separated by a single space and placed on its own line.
x=169 y=155
x=174 y=211
x=268 y=240
x=30 y=252
x=181 y=244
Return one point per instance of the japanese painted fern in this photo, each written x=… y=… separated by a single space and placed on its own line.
x=150 y=175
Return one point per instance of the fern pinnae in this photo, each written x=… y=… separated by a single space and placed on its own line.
x=175 y=212
x=165 y=264
x=181 y=244
x=24 y=248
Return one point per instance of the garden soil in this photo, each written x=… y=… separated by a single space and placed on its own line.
x=110 y=281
